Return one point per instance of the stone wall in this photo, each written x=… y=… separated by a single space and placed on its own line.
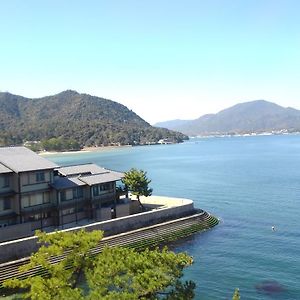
x=24 y=247
x=18 y=230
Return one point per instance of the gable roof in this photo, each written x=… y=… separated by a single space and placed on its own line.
x=21 y=159
x=86 y=169
x=108 y=176
x=4 y=169
x=66 y=183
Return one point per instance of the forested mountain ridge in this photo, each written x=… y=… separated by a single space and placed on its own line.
x=88 y=120
x=172 y=123
x=250 y=117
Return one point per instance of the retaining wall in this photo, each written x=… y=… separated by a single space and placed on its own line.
x=18 y=230
x=24 y=247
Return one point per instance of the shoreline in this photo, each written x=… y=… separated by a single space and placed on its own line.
x=251 y=134
x=83 y=150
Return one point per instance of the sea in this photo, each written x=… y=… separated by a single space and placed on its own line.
x=251 y=184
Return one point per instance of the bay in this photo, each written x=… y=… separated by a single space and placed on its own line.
x=250 y=184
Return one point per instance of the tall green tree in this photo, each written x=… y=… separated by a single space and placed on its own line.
x=63 y=277
x=137 y=183
x=123 y=273
x=115 y=273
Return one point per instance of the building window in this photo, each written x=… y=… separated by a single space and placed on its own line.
x=95 y=190
x=5 y=181
x=63 y=196
x=40 y=177
x=26 y=179
x=35 y=199
x=77 y=193
x=5 y=204
x=105 y=187
x=98 y=189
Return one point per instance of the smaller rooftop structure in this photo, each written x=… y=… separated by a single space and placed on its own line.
x=66 y=183
x=85 y=174
x=85 y=169
x=108 y=176
x=21 y=159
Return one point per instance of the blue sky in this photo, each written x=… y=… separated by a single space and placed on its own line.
x=162 y=59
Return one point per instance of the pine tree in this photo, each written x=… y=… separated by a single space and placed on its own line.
x=137 y=183
x=115 y=273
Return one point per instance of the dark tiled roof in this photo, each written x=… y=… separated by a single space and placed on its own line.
x=21 y=159
x=81 y=169
x=65 y=183
x=4 y=169
x=109 y=176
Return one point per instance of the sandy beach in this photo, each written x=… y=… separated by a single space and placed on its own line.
x=84 y=150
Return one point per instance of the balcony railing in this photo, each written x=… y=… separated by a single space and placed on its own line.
x=38 y=208
x=104 y=198
x=7 y=214
x=73 y=202
x=7 y=193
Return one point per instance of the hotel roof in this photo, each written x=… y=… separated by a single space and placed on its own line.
x=21 y=159
x=109 y=176
x=66 y=183
x=86 y=169
x=4 y=169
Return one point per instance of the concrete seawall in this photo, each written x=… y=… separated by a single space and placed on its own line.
x=163 y=209
x=139 y=239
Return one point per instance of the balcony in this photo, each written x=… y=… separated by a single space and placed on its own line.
x=104 y=198
x=7 y=193
x=38 y=208
x=73 y=202
x=8 y=214
x=35 y=187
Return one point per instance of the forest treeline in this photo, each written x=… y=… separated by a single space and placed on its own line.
x=70 y=121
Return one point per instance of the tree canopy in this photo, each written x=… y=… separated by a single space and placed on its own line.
x=115 y=273
x=137 y=183
x=70 y=116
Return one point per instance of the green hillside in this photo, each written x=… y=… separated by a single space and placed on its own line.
x=79 y=118
x=255 y=116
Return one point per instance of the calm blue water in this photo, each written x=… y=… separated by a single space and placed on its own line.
x=250 y=183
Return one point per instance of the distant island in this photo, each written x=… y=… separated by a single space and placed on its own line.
x=255 y=117
x=71 y=121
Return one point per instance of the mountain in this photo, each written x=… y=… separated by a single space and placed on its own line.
x=255 y=116
x=171 y=124
x=88 y=120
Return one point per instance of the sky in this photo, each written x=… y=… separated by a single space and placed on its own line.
x=164 y=59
